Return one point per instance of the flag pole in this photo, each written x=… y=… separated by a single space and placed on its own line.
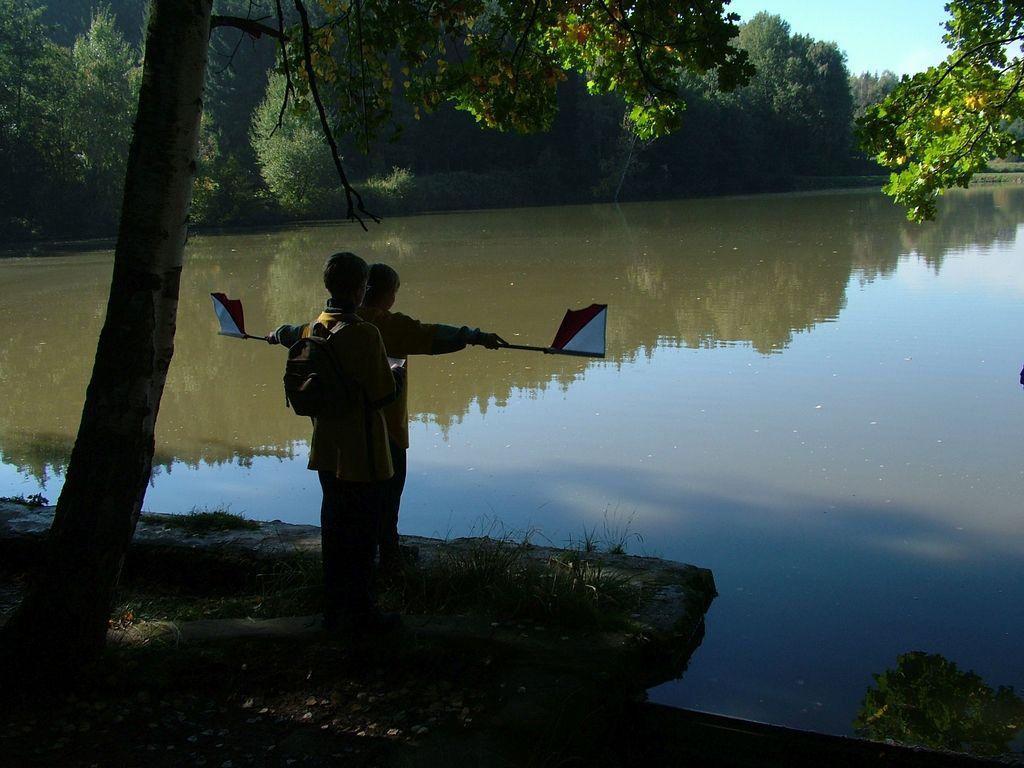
x=574 y=353
x=545 y=350
x=243 y=336
x=551 y=350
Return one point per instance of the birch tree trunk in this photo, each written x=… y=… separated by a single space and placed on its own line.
x=62 y=622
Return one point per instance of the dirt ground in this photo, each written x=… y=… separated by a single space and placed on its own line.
x=265 y=703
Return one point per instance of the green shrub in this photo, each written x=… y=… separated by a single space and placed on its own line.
x=391 y=186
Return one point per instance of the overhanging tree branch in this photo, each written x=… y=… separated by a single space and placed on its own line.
x=654 y=85
x=956 y=63
x=362 y=76
x=231 y=56
x=252 y=27
x=238 y=43
x=970 y=143
x=520 y=50
x=352 y=197
x=289 y=88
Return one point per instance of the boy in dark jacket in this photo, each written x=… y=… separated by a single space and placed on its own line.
x=350 y=452
x=404 y=336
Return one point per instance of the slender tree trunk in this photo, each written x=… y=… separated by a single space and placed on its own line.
x=625 y=169
x=62 y=622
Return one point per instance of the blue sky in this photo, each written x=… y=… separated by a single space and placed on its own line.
x=902 y=35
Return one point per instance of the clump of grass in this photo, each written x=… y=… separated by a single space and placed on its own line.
x=617 y=533
x=588 y=543
x=497 y=577
x=290 y=587
x=614 y=539
x=293 y=586
x=133 y=607
x=579 y=591
x=204 y=520
x=33 y=500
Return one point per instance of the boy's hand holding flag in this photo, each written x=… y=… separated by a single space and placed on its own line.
x=231 y=318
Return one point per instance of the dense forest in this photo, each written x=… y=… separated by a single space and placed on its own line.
x=69 y=78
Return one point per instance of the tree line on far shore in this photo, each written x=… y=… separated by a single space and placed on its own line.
x=69 y=79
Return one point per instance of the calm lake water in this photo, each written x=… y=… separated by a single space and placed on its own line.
x=806 y=394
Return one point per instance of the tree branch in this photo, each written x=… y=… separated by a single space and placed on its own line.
x=231 y=57
x=968 y=145
x=956 y=63
x=654 y=86
x=520 y=49
x=289 y=89
x=362 y=76
x=352 y=197
x=252 y=27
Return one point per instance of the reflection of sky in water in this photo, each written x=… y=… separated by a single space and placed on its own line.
x=857 y=496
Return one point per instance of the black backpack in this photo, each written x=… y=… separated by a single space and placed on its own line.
x=315 y=383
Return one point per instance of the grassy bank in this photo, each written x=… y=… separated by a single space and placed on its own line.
x=998 y=178
x=494 y=578
x=214 y=564
x=1001 y=172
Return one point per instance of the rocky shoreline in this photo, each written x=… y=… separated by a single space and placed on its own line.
x=675 y=596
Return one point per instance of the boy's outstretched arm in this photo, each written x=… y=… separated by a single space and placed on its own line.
x=285 y=334
x=448 y=338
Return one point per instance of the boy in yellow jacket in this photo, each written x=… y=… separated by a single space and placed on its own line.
x=350 y=453
x=404 y=336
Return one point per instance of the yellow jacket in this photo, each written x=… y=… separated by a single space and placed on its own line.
x=354 y=446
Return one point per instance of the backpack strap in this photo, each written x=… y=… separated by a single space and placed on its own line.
x=349 y=318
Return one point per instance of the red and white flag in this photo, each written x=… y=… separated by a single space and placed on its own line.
x=229 y=314
x=582 y=332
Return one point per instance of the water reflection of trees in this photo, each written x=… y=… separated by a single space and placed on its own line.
x=751 y=271
x=927 y=701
